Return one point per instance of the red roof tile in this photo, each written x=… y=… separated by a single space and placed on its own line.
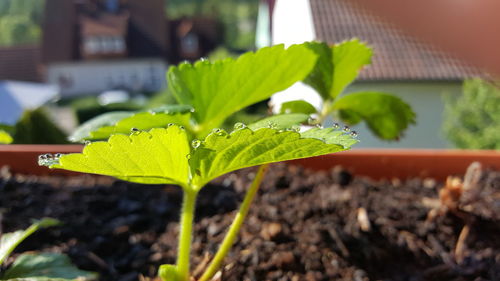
x=397 y=56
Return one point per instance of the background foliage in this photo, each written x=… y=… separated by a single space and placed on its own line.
x=35 y=127
x=20 y=21
x=473 y=120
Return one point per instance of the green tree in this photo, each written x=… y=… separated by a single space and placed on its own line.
x=472 y=121
x=18 y=30
x=20 y=21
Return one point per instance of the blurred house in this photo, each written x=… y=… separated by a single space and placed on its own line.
x=417 y=72
x=16 y=97
x=90 y=46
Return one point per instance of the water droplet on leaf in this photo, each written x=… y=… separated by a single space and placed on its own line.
x=239 y=126
x=188 y=156
x=46 y=159
x=219 y=132
x=354 y=134
x=346 y=129
x=311 y=121
x=336 y=125
x=170 y=124
x=195 y=143
x=271 y=125
x=134 y=130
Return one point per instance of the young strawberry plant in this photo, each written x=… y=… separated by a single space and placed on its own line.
x=386 y=115
x=37 y=267
x=183 y=145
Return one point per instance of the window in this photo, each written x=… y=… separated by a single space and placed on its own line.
x=190 y=43
x=91 y=45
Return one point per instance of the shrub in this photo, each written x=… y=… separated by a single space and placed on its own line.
x=473 y=120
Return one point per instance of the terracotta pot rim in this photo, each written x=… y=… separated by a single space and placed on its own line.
x=375 y=163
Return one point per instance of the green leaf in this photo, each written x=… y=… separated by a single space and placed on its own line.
x=140 y=121
x=47 y=266
x=9 y=241
x=173 y=109
x=337 y=66
x=297 y=106
x=5 y=138
x=280 y=122
x=386 y=115
x=221 y=153
x=156 y=157
x=107 y=119
x=218 y=89
x=104 y=125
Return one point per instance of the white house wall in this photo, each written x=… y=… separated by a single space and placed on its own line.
x=426 y=99
x=94 y=77
x=292 y=22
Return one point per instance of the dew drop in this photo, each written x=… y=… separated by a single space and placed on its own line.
x=354 y=134
x=191 y=110
x=346 y=129
x=195 y=143
x=87 y=142
x=319 y=126
x=170 y=124
x=311 y=121
x=336 y=125
x=188 y=156
x=134 y=130
x=182 y=128
x=57 y=156
x=46 y=159
x=296 y=129
x=219 y=132
x=271 y=125
x=239 y=126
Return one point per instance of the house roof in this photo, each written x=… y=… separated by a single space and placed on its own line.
x=397 y=56
x=15 y=97
x=20 y=63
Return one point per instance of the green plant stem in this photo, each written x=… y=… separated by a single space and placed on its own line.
x=325 y=111
x=186 y=229
x=231 y=235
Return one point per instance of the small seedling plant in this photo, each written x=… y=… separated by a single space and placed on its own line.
x=386 y=115
x=37 y=267
x=183 y=145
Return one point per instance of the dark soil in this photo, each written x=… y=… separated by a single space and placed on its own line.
x=303 y=226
